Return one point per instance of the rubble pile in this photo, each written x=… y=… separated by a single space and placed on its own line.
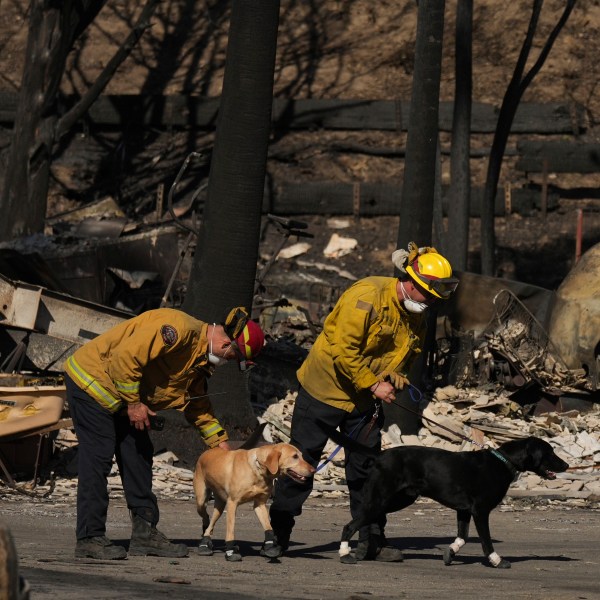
x=484 y=416
x=487 y=418
x=514 y=350
x=533 y=362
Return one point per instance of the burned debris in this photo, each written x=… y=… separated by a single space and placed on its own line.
x=514 y=350
x=500 y=378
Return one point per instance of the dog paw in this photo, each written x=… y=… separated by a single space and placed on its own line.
x=348 y=559
x=205 y=547
x=449 y=555
x=498 y=562
x=503 y=564
x=233 y=555
x=271 y=549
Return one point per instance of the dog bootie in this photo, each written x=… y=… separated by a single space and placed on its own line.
x=270 y=549
x=449 y=555
x=205 y=547
x=232 y=553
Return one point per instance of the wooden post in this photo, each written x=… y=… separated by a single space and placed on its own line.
x=160 y=197
x=508 y=198
x=578 y=235
x=544 y=187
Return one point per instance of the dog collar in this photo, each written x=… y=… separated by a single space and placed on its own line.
x=505 y=460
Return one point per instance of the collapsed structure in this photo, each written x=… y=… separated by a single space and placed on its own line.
x=496 y=380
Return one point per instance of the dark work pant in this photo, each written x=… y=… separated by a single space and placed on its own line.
x=309 y=437
x=102 y=435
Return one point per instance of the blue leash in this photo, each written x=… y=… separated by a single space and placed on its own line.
x=415 y=395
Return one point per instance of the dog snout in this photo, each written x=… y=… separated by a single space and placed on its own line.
x=309 y=469
x=561 y=465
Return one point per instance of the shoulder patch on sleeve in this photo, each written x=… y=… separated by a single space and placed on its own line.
x=368 y=307
x=169 y=334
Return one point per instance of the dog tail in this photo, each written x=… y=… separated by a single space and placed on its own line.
x=254 y=438
x=347 y=442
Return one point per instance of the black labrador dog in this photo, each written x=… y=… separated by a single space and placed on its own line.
x=471 y=483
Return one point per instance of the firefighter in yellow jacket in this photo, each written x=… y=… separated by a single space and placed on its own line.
x=360 y=359
x=115 y=384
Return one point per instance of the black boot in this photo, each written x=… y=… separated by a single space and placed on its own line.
x=99 y=547
x=386 y=552
x=146 y=540
x=376 y=547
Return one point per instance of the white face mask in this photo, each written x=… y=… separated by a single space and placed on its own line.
x=213 y=359
x=412 y=305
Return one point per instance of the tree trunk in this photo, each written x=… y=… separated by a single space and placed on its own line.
x=225 y=262
x=418 y=191
x=514 y=92
x=224 y=269
x=460 y=172
x=53 y=27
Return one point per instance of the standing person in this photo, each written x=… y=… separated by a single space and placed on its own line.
x=360 y=360
x=160 y=359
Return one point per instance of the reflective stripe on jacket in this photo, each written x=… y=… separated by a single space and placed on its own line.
x=367 y=332
x=158 y=358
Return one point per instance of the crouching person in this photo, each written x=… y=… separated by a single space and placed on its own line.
x=115 y=384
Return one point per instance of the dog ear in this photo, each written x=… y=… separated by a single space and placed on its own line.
x=272 y=462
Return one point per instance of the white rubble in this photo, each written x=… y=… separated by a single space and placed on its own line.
x=485 y=419
x=451 y=418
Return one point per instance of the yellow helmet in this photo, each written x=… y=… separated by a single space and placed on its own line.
x=434 y=273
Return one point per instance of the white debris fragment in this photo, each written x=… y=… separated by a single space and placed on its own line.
x=339 y=246
x=294 y=250
x=335 y=223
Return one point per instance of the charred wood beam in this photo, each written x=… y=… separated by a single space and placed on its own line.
x=290 y=154
x=360 y=115
x=558 y=156
x=381 y=198
x=401 y=152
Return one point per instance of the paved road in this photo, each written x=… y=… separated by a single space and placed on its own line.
x=553 y=551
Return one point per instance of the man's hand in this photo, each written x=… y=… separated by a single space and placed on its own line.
x=138 y=415
x=397 y=380
x=384 y=391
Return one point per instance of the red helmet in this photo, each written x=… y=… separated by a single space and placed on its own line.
x=251 y=341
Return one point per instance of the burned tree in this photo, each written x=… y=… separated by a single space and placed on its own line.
x=419 y=181
x=224 y=269
x=39 y=124
x=514 y=92
x=225 y=261
x=460 y=172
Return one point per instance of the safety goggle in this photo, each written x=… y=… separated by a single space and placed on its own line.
x=443 y=288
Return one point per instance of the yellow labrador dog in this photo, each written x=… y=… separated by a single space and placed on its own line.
x=239 y=476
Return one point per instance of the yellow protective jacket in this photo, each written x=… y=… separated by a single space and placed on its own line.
x=158 y=358
x=367 y=332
